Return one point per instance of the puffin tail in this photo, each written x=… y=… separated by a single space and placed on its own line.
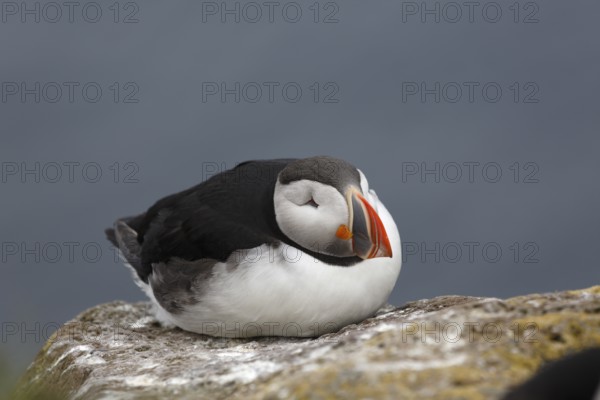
x=124 y=238
x=111 y=236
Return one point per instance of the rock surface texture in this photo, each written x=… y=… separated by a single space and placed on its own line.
x=448 y=347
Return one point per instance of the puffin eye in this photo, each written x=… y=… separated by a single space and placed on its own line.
x=311 y=203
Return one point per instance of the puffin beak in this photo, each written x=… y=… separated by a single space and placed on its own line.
x=369 y=238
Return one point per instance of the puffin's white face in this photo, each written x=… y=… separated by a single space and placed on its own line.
x=310 y=213
x=336 y=221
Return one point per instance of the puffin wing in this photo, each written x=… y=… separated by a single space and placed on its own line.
x=230 y=211
x=194 y=233
x=187 y=231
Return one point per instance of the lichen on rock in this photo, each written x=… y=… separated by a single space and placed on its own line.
x=449 y=347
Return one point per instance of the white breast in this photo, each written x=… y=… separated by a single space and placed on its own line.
x=284 y=292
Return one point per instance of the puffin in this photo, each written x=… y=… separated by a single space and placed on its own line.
x=576 y=376
x=283 y=247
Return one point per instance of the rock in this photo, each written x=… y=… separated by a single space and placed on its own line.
x=449 y=347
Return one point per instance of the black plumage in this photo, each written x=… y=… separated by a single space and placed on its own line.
x=232 y=210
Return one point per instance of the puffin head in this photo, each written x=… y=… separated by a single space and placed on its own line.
x=322 y=203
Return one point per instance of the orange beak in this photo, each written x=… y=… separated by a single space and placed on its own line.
x=369 y=238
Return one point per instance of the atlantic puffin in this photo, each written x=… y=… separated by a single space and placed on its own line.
x=284 y=247
x=576 y=376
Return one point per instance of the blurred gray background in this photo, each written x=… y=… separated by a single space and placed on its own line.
x=478 y=128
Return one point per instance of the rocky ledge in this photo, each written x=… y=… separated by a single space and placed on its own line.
x=449 y=347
